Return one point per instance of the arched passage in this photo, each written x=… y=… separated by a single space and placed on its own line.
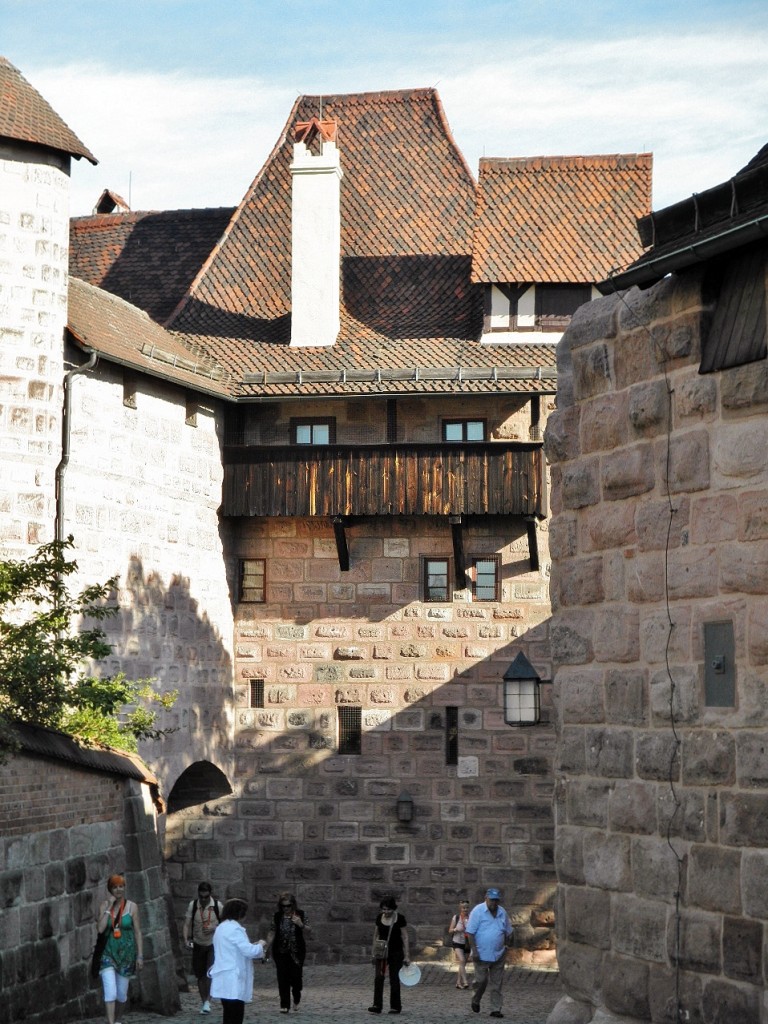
x=200 y=783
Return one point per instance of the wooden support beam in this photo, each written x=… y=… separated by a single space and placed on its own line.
x=533 y=543
x=341 y=542
x=459 y=561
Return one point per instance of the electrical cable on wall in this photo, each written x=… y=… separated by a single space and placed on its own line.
x=681 y=1014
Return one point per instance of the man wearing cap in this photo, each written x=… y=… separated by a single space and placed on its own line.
x=489 y=933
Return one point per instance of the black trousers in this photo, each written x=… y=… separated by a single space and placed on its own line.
x=289 y=980
x=234 y=1011
x=384 y=967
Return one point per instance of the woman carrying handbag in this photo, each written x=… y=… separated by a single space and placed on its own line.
x=389 y=953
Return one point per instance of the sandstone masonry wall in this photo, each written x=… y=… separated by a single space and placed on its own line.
x=324 y=825
x=63 y=831
x=660 y=524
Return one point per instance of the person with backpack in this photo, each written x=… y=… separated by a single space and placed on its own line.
x=202 y=917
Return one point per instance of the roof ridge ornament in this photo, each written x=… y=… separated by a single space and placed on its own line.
x=307 y=131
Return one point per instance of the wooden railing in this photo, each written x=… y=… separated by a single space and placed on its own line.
x=493 y=478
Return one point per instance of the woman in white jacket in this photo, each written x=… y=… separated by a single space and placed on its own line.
x=233 y=955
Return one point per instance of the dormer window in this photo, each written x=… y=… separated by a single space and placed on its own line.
x=556 y=304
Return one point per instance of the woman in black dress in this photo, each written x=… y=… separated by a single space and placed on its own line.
x=391 y=927
x=286 y=941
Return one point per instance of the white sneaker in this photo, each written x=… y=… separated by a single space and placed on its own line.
x=206 y=1007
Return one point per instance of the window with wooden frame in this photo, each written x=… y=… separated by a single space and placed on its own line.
x=485 y=578
x=313 y=430
x=253 y=580
x=436 y=579
x=350 y=728
x=451 y=735
x=256 y=693
x=555 y=304
x=457 y=431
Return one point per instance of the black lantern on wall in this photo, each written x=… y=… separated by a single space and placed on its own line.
x=405 y=806
x=522 y=703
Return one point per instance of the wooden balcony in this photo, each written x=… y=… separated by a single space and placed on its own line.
x=492 y=478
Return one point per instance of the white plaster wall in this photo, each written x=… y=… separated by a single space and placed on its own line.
x=34 y=231
x=316 y=245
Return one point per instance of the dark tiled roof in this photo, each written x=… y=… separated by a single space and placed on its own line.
x=559 y=219
x=720 y=219
x=148 y=259
x=125 y=334
x=27 y=117
x=407 y=209
x=60 y=746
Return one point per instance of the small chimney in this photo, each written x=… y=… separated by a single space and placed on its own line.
x=315 y=236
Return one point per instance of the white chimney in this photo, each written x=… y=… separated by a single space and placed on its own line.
x=315 y=236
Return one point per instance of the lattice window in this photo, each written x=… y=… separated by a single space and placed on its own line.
x=350 y=725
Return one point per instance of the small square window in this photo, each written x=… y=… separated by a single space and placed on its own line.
x=436 y=579
x=485 y=583
x=253 y=578
x=313 y=431
x=463 y=430
x=256 y=694
x=350 y=725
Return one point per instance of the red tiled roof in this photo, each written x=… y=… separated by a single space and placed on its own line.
x=407 y=207
x=27 y=117
x=148 y=259
x=568 y=219
x=124 y=334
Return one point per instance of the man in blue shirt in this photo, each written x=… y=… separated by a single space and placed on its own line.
x=489 y=932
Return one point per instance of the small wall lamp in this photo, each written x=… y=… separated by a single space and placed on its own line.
x=522 y=704
x=405 y=806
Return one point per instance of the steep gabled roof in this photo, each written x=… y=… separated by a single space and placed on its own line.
x=407 y=212
x=27 y=117
x=567 y=219
x=123 y=334
x=148 y=259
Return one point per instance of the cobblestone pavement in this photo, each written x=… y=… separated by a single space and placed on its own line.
x=342 y=993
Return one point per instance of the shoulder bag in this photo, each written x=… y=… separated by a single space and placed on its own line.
x=380 y=949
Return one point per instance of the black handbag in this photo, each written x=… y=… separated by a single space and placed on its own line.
x=98 y=949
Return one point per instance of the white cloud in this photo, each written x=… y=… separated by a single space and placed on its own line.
x=699 y=103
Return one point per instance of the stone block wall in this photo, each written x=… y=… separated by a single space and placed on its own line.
x=660 y=525
x=63 y=831
x=141 y=496
x=304 y=817
x=34 y=238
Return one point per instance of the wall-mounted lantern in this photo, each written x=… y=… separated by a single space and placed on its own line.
x=522 y=704
x=405 y=806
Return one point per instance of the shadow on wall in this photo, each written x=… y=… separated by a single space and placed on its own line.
x=325 y=825
x=161 y=633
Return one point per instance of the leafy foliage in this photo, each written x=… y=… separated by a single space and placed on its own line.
x=47 y=636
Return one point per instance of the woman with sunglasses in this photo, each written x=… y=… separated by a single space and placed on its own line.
x=457 y=931
x=286 y=941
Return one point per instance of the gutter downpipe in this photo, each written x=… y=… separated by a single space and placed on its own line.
x=695 y=252
x=66 y=432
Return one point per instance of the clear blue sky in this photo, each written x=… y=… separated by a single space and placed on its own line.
x=182 y=100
